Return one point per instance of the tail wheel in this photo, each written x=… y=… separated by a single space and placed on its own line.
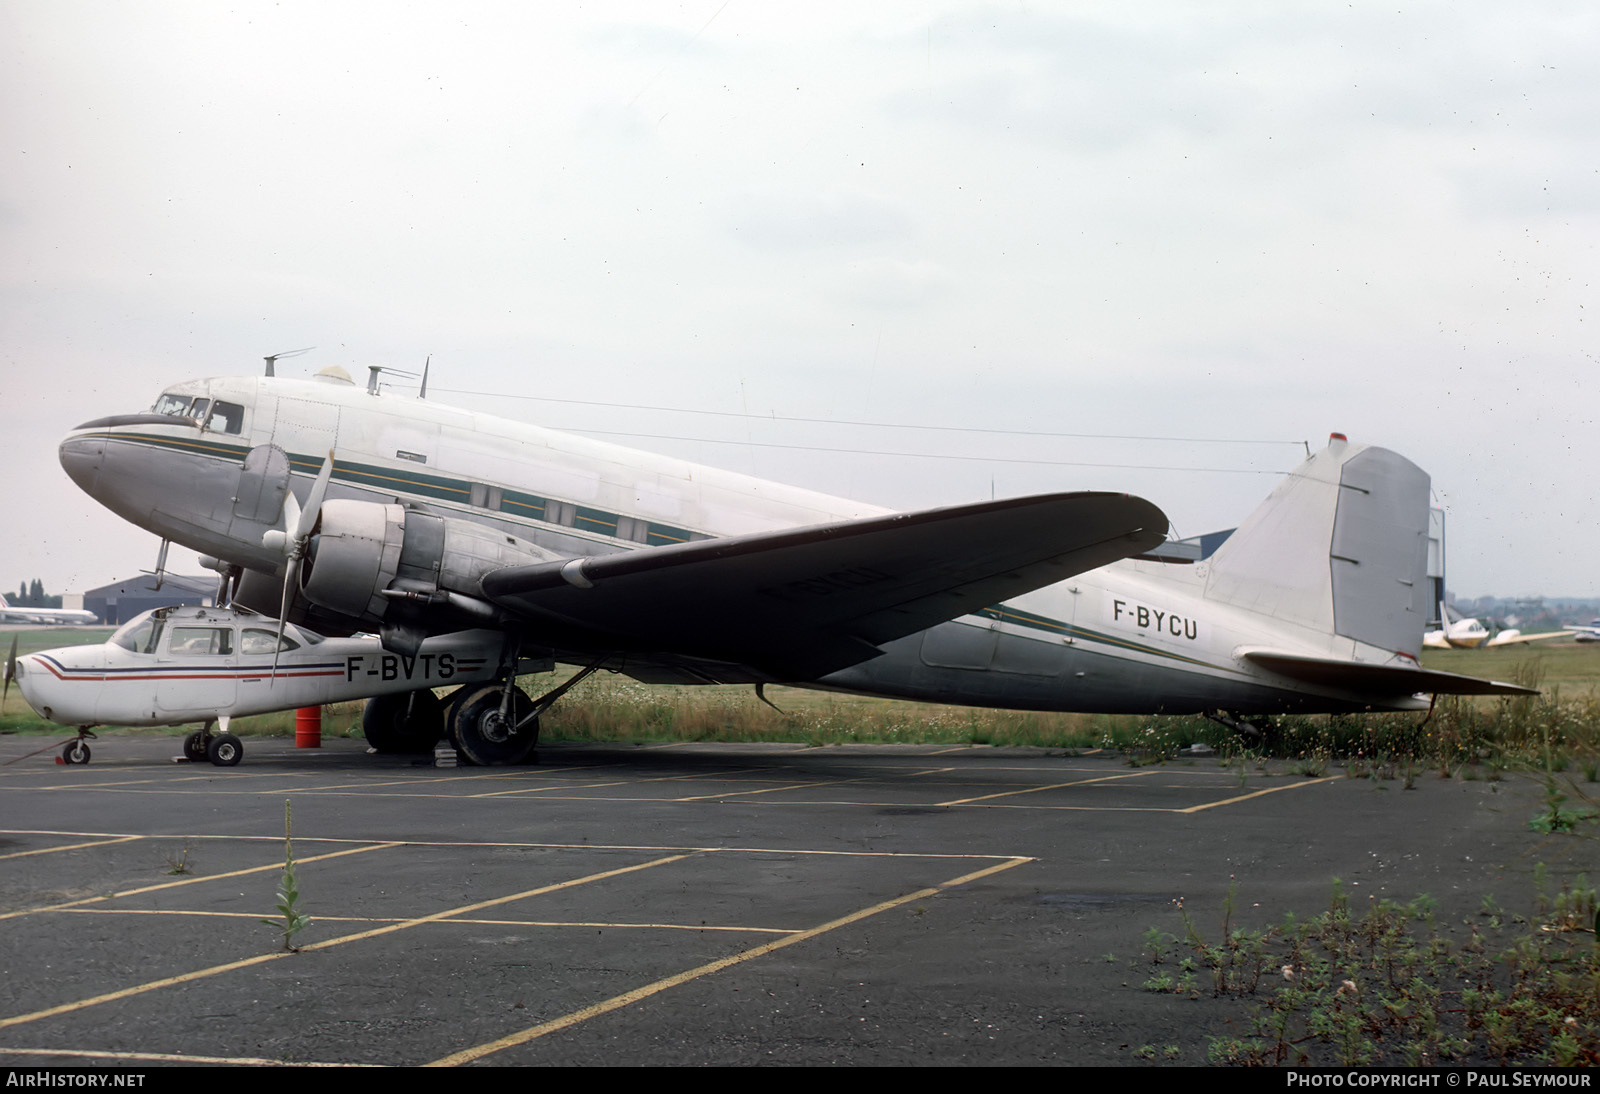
x=412 y=722
x=483 y=736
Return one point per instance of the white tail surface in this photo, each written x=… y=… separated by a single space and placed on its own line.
x=1341 y=546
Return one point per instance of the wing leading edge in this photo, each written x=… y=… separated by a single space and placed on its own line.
x=803 y=602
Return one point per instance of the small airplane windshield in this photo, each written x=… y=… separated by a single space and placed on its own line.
x=139 y=635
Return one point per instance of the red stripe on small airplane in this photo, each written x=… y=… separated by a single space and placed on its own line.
x=90 y=676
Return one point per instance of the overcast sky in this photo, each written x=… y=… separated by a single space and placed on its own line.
x=1203 y=233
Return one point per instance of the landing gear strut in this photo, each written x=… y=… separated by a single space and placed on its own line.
x=76 y=752
x=498 y=723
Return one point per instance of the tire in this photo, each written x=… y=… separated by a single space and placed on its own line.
x=225 y=750
x=194 y=747
x=75 y=752
x=482 y=737
x=411 y=722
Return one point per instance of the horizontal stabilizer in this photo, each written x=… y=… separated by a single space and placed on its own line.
x=802 y=602
x=1379 y=680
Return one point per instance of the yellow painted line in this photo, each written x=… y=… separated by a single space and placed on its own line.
x=70 y=847
x=617 y=1002
x=769 y=790
x=231 y=966
x=546 y=789
x=1051 y=786
x=193 y=881
x=437 y=916
x=1258 y=794
x=491 y=844
x=257 y=916
x=169 y=1058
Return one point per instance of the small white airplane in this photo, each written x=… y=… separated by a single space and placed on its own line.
x=1470 y=634
x=345 y=509
x=173 y=666
x=1586 y=632
x=10 y=613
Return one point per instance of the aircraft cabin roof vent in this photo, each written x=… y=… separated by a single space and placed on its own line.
x=333 y=374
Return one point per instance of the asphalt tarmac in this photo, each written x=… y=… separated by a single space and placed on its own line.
x=681 y=904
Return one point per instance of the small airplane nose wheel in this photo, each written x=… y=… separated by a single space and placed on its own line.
x=225 y=750
x=75 y=752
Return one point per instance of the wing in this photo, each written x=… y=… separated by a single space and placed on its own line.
x=1506 y=639
x=1378 y=680
x=803 y=602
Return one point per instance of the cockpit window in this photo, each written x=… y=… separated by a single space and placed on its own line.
x=226 y=417
x=181 y=406
x=139 y=636
x=201 y=641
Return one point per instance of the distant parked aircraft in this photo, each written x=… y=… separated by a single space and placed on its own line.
x=1470 y=634
x=10 y=613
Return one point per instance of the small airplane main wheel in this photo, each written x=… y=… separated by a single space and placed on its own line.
x=75 y=752
x=225 y=750
x=194 y=746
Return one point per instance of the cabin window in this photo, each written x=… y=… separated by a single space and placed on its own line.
x=226 y=417
x=485 y=496
x=255 y=640
x=202 y=641
x=634 y=529
x=560 y=512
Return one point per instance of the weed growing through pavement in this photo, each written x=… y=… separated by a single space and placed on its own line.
x=1389 y=985
x=293 y=922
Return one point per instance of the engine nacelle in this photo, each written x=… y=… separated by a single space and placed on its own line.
x=361 y=551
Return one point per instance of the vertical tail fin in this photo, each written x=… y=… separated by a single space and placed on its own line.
x=1341 y=546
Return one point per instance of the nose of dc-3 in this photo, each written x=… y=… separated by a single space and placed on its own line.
x=81 y=456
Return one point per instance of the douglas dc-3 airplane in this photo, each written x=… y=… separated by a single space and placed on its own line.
x=344 y=510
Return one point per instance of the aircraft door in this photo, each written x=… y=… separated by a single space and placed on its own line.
x=205 y=653
x=263 y=483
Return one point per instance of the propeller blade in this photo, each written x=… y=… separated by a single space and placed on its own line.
x=291 y=574
x=11 y=672
x=302 y=522
x=319 y=489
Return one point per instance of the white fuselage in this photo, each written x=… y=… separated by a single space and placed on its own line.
x=204 y=663
x=1133 y=636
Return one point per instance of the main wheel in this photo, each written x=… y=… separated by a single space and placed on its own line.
x=481 y=735
x=75 y=752
x=412 y=722
x=225 y=750
x=194 y=746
